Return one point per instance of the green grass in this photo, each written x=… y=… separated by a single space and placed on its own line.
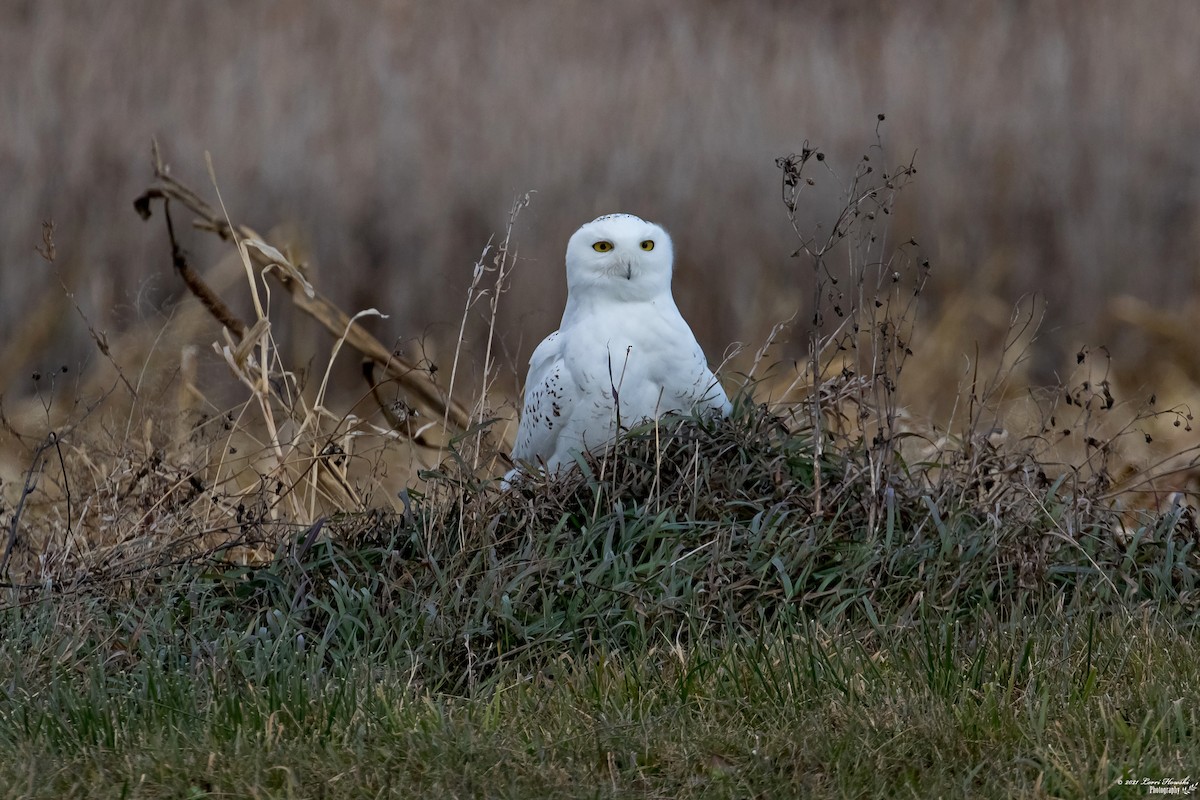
x=125 y=702
x=674 y=620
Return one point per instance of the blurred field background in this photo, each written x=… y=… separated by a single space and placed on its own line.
x=1055 y=144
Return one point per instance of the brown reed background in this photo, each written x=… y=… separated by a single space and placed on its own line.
x=1056 y=144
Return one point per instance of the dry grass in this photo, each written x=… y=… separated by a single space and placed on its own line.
x=137 y=485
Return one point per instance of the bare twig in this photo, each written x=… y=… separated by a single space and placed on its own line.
x=36 y=465
x=412 y=378
x=207 y=297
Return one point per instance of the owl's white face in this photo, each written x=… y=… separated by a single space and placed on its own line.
x=620 y=255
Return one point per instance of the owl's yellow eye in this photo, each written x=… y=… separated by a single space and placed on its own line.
x=602 y=246
x=648 y=244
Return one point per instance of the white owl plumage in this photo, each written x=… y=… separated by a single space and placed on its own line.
x=622 y=354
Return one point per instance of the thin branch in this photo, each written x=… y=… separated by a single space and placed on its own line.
x=415 y=380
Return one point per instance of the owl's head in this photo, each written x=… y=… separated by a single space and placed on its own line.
x=620 y=255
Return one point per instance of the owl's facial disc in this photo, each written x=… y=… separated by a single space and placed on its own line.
x=626 y=254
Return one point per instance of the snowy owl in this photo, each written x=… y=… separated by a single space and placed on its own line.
x=622 y=354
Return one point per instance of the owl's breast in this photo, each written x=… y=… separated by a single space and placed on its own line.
x=640 y=361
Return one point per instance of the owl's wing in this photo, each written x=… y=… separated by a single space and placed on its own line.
x=689 y=383
x=550 y=394
x=708 y=392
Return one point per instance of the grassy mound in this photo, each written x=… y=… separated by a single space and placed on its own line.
x=683 y=529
